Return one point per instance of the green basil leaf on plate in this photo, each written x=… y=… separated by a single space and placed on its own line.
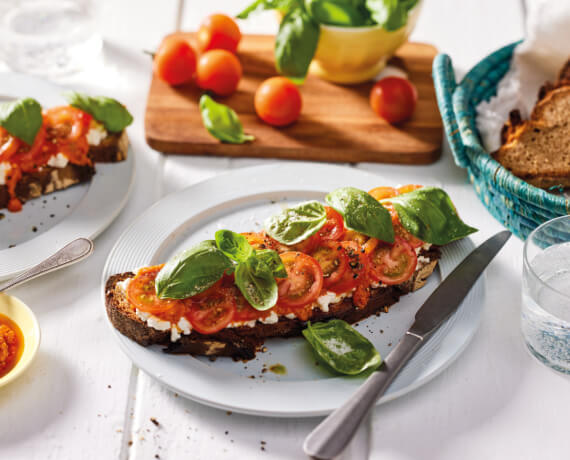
x=273 y=261
x=362 y=213
x=390 y=14
x=22 y=118
x=255 y=280
x=222 y=122
x=192 y=271
x=428 y=214
x=295 y=44
x=342 y=347
x=233 y=245
x=295 y=224
x=335 y=12
x=107 y=111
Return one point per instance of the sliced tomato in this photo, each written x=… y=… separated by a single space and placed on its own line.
x=357 y=268
x=9 y=145
x=411 y=239
x=358 y=238
x=392 y=263
x=213 y=310
x=244 y=311
x=408 y=188
x=66 y=129
x=334 y=226
x=305 y=246
x=333 y=260
x=380 y=193
x=29 y=158
x=259 y=240
x=304 y=280
x=142 y=293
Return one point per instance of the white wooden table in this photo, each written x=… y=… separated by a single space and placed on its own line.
x=83 y=399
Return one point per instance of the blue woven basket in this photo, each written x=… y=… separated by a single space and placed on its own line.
x=518 y=205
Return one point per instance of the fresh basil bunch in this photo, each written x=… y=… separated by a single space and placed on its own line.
x=198 y=268
x=342 y=347
x=298 y=35
x=22 y=118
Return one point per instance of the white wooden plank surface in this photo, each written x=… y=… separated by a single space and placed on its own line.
x=495 y=402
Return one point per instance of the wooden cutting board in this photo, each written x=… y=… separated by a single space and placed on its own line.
x=336 y=123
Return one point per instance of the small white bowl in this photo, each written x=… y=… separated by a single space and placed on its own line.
x=23 y=316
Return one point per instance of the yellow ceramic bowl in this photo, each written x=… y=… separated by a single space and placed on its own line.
x=21 y=314
x=357 y=54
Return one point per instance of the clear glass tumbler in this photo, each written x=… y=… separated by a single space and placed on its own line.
x=545 y=315
x=48 y=37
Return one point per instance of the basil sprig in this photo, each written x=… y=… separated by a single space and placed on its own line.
x=342 y=347
x=110 y=112
x=297 y=223
x=263 y=5
x=428 y=214
x=22 y=118
x=362 y=213
x=192 y=271
x=255 y=271
x=222 y=122
x=390 y=14
x=336 y=12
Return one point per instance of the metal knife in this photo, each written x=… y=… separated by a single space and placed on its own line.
x=333 y=434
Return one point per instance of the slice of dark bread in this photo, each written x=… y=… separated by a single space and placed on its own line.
x=47 y=179
x=538 y=150
x=243 y=342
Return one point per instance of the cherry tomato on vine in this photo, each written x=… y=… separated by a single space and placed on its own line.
x=218 y=31
x=394 y=99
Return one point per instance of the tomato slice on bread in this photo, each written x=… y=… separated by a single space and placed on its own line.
x=333 y=260
x=333 y=229
x=392 y=263
x=304 y=280
x=213 y=310
x=142 y=293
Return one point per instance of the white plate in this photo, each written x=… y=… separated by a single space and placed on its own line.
x=240 y=200
x=48 y=223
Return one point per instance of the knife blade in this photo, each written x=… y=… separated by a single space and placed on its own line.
x=333 y=434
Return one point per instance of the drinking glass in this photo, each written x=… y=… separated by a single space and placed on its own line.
x=51 y=38
x=545 y=318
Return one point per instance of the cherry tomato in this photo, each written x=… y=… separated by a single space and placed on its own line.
x=257 y=240
x=408 y=188
x=334 y=226
x=175 y=61
x=142 y=293
x=213 y=310
x=358 y=267
x=394 y=99
x=66 y=129
x=304 y=280
x=29 y=157
x=333 y=260
x=8 y=145
x=218 y=31
x=357 y=237
x=278 y=101
x=392 y=263
x=380 y=193
x=218 y=71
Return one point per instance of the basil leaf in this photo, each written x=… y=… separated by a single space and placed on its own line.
x=22 y=118
x=222 y=122
x=297 y=223
x=390 y=14
x=255 y=280
x=428 y=214
x=342 y=347
x=192 y=271
x=233 y=245
x=261 y=5
x=362 y=213
x=110 y=112
x=334 y=12
x=295 y=44
x=273 y=261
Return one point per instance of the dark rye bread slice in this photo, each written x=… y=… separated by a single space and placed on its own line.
x=538 y=150
x=243 y=342
x=112 y=149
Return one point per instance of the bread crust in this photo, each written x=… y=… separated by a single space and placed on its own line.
x=243 y=342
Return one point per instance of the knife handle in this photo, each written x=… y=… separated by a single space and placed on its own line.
x=334 y=433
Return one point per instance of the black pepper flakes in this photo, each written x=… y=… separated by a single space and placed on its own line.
x=155 y=421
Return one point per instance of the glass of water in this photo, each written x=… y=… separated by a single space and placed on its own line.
x=50 y=38
x=546 y=294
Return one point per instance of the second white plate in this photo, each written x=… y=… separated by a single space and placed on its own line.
x=241 y=200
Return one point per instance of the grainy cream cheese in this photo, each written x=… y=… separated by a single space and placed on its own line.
x=58 y=161
x=96 y=133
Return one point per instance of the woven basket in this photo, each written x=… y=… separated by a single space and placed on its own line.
x=518 y=205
